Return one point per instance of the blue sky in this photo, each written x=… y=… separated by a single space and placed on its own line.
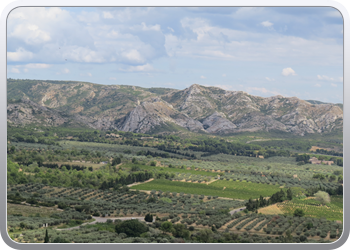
x=265 y=51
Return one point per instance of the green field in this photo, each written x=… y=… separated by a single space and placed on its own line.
x=172 y=170
x=235 y=190
x=312 y=208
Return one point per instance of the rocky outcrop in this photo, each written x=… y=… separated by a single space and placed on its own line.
x=27 y=112
x=151 y=114
x=217 y=123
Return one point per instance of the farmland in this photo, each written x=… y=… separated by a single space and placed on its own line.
x=313 y=208
x=64 y=184
x=234 y=190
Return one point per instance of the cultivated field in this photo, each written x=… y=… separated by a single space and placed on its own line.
x=229 y=189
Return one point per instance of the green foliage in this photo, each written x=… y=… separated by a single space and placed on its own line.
x=299 y=212
x=149 y=217
x=132 y=228
x=46 y=240
x=166 y=227
x=323 y=197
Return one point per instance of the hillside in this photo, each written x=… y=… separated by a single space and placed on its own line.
x=197 y=108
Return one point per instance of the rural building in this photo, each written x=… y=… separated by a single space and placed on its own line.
x=314 y=160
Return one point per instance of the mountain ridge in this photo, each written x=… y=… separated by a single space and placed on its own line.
x=197 y=108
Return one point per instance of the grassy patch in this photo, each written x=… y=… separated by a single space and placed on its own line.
x=102 y=226
x=29 y=210
x=172 y=170
x=273 y=209
x=235 y=190
x=313 y=208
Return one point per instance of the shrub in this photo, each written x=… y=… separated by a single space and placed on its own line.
x=149 y=218
x=132 y=228
x=322 y=197
x=299 y=212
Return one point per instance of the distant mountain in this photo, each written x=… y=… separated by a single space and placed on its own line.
x=197 y=108
x=340 y=105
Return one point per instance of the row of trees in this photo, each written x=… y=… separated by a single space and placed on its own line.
x=253 y=205
x=138 y=176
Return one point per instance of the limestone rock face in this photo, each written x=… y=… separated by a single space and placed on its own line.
x=151 y=114
x=27 y=112
x=217 y=123
x=197 y=108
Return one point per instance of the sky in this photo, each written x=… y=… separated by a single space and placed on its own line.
x=265 y=51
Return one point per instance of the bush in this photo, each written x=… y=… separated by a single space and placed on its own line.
x=149 y=218
x=302 y=238
x=299 y=212
x=132 y=228
x=323 y=197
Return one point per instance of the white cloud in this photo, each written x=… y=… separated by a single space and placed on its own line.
x=215 y=42
x=139 y=68
x=171 y=29
x=28 y=66
x=269 y=79
x=89 y=74
x=112 y=78
x=288 y=71
x=107 y=15
x=266 y=24
x=203 y=77
x=133 y=56
x=80 y=54
x=30 y=34
x=334 y=85
x=154 y=27
x=37 y=65
x=223 y=75
x=327 y=78
x=262 y=90
x=317 y=85
x=15 y=70
x=20 y=55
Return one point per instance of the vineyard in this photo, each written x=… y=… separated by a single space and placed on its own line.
x=313 y=208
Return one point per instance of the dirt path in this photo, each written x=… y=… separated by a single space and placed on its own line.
x=101 y=219
x=237 y=210
x=137 y=183
x=212 y=181
x=265 y=140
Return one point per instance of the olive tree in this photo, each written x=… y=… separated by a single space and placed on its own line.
x=323 y=197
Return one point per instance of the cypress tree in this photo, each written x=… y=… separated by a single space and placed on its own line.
x=289 y=194
x=46 y=240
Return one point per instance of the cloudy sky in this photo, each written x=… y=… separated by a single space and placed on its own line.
x=289 y=51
